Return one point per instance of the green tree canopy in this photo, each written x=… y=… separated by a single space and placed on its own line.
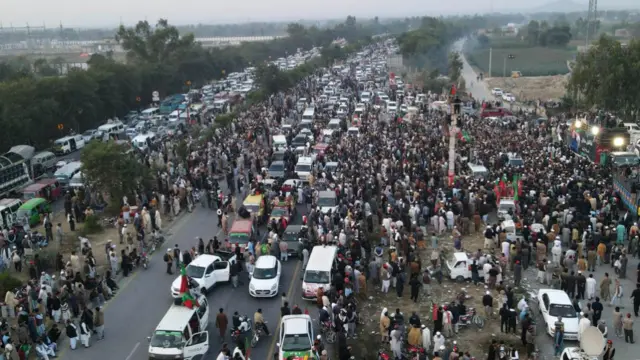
x=33 y=103
x=107 y=167
x=606 y=77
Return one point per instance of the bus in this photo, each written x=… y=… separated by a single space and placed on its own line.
x=171 y=103
x=14 y=169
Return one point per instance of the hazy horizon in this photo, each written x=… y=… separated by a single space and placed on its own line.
x=111 y=14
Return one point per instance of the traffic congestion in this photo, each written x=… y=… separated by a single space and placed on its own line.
x=352 y=184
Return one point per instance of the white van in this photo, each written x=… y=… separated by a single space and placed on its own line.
x=182 y=333
x=279 y=142
x=111 y=128
x=334 y=124
x=143 y=141
x=318 y=271
x=46 y=159
x=304 y=167
x=68 y=144
x=149 y=113
x=65 y=173
x=309 y=114
x=8 y=211
x=478 y=171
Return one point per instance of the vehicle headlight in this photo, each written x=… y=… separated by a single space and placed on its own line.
x=274 y=287
x=251 y=287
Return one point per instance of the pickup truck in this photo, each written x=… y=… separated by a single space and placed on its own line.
x=459 y=266
x=205 y=271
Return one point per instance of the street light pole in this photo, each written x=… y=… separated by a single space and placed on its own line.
x=453 y=129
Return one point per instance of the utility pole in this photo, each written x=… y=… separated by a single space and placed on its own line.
x=453 y=132
x=490 y=56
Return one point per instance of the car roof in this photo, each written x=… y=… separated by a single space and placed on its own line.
x=204 y=260
x=293 y=228
x=460 y=256
x=266 y=261
x=557 y=296
x=295 y=324
x=326 y=193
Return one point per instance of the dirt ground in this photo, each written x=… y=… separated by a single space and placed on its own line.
x=470 y=339
x=71 y=242
x=532 y=88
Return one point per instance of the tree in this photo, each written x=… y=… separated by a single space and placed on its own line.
x=455 y=66
x=605 y=77
x=33 y=101
x=106 y=167
x=533 y=32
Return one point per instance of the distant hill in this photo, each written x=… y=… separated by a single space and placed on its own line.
x=565 y=6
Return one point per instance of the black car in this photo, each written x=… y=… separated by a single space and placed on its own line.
x=292 y=236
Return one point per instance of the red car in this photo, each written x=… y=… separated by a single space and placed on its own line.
x=497 y=112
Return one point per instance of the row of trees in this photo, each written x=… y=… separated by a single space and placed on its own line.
x=36 y=108
x=541 y=34
x=606 y=78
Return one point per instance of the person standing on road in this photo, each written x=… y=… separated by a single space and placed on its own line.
x=635 y=295
x=627 y=326
x=605 y=292
x=221 y=323
x=98 y=323
x=591 y=287
x=168 y=259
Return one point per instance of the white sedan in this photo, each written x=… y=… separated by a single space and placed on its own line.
x=265 y=278
x=556 y=303
x=496 y=92
x=508 y=97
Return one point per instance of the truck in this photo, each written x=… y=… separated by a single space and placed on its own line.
x=182 y=332
x=592 y=344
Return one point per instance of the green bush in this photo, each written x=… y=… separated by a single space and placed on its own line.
x=8 y=282
x=92 y=225
x=47 y=260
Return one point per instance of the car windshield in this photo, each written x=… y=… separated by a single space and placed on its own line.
x=305 y=168
x=277 y=212
x=252 y=208
x=22 y=213
x=239 y=238
x=326 y=202
x=264 y=273
x=566 y=311
x=167 y=339
x=88 y=132
x=195 y=271
x=276 y=167
x=297 y=342
x=516 y=162
x=317 y=277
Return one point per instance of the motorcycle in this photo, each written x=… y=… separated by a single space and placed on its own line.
x=327 y=330
x=257 y=334
x=415 y=353
x=245 y=326
x=471 y=317
x=144 y=260
x=156 y=240
x=383 y=356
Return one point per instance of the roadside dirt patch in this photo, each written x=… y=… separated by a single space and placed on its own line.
x=532 y=88
x=468 y=339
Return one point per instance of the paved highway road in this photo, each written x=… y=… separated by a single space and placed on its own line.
x=478 y=89
x=144 y=298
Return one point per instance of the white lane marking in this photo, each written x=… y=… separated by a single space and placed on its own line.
x=133 y=351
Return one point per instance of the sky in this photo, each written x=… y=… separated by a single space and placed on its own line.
x=94 y=14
